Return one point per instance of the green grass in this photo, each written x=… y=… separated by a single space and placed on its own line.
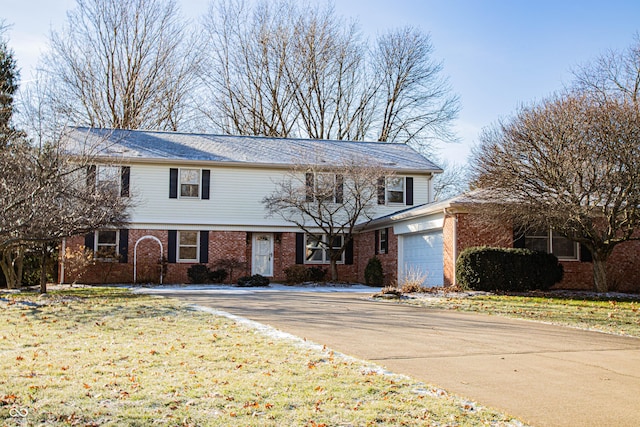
x=105 y=356
x=611 y=316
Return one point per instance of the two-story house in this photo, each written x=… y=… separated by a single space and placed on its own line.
x=197 y=198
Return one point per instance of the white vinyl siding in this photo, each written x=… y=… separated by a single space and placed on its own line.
x=236 y=196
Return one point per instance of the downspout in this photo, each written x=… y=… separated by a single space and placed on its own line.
x=430 y=197
x=455 y=246
x=62 y=257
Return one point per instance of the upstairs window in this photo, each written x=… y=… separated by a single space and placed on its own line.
x=395 y=190
x=108 y=178
x=325 y=187
x=551 y=242
x=190 y=183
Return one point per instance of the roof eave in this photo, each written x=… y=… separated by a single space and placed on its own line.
x=233 y=163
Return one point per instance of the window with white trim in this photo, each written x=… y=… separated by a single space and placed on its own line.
x=106 y=244
x=395 y=190
x=108 y=178
x=382 y=241
x=324 y=187
x=551 y=242
x=188 y=246
x=317 y=248
x=189 y=183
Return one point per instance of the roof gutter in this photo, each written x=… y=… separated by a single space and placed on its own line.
x=175 y=161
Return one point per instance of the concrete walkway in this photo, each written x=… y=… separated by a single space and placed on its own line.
x=542 y=374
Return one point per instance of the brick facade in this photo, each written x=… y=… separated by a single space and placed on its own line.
x=223 y=245
x=468 y=230
x=623 y=264
x=365 y=249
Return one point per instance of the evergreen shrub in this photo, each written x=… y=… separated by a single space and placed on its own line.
x=373 y=273
x=506 y=269
x=251 y=281
x=198 y=273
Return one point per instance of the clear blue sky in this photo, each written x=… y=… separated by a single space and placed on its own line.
x=498 y=54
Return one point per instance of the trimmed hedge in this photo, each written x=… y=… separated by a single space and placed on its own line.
x=507 y=270
x=198 y=273
x=299 y=274
x=252 y=281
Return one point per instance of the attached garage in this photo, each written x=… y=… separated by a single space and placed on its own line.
x=420 y=256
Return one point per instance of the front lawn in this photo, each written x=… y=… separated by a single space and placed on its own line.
x=611 y=316
x=105 y=356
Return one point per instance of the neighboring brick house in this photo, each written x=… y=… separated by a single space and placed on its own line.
x=428 y=239
x=198 y=199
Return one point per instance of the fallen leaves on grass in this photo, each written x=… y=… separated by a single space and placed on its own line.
x=115 y=358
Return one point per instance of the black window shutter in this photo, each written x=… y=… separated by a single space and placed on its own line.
x=91 y=176
x=518 y=238
x=204 y=247
x=409 y=188
x=348 y=253
x=385 y=246
x=377 y=240
x=123 y=246
x=125 y=176
x=300 y=248
x=173 y=183
x=308 y=179
x=339 y=188
x=381 y=190
x=585 y=254
x=172 y=246
x=206 y=179
x=90 y=240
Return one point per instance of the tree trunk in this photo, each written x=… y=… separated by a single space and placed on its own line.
x=43 y=270
x=11 y=264
x=600 y=272
x=334 y=270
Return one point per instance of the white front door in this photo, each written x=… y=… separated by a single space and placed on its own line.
x=262 y=254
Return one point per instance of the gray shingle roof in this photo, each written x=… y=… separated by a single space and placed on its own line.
x=163 y=146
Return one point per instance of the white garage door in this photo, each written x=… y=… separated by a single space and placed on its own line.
x=422 y=257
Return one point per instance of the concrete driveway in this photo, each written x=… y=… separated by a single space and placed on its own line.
x=542 y=374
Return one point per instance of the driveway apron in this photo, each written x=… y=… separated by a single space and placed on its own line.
x=542 y=374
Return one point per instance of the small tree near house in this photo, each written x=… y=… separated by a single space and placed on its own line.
x=329 y=200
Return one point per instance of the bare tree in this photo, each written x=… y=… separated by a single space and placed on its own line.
x=8 y=86
x=571 y=163
x=613 y=74
x=123 y=64
x=290 y=70
x=327 y=202
x=47 y=195
x=452 y=182
x=416 y=101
